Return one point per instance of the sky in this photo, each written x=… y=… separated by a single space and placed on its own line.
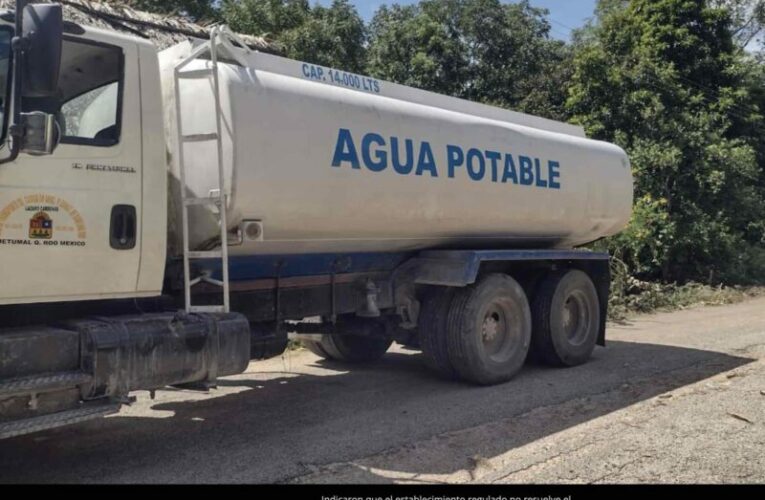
x=564 y=14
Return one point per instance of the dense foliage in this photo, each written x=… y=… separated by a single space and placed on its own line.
x=480 y=50
x=196 y=10
x=678 y=84
x=665 y=80
x=331 y=36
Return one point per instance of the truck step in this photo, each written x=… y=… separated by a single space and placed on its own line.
x=208 y=254
x=200 y=137
x=195 y=73
x=202 y=201
x=35 y=350
x=206 y=309
x=47 y=382
x=34 y=424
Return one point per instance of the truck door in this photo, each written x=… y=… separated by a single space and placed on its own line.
x=69 y=221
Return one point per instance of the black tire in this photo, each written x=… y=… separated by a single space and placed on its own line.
x=349 y=348
x=432 y=331
x=316 y=347
x=356 y=349
x=489 y=330
x=566 y=314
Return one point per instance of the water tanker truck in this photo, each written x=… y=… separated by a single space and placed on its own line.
x=167 y=217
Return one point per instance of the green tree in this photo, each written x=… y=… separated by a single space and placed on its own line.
x=748 y=20
x=265 y=17
x=195 y=10
x=332 y=36
x=481 y=50
x=665 y=80
x=412 y=46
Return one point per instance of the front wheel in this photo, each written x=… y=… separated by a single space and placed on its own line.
x=489 y=330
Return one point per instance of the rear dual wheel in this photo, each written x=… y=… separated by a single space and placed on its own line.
x=566 y=312
x=489 y=330
x=484 y=332
x=432 y=331
x=479 y=333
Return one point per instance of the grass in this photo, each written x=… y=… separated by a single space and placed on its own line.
x=630 y=296
x=294 y=345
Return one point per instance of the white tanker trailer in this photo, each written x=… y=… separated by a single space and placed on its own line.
x=328 y=161
x=167 y=217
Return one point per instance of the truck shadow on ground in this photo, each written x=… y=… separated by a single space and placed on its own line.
x=277 y=424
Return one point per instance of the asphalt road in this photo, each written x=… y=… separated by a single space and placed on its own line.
x=675 y=397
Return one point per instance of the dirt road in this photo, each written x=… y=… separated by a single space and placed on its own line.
x=675 y=397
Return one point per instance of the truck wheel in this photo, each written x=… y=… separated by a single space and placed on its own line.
x=315 y=346
x=432 y=330
x=355 y=349
x=489 y=330
x=566 y=313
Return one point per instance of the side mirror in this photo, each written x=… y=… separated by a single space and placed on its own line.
x=42 y=133
x=43 y=27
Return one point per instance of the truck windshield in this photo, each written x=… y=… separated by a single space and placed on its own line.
x=5 y=67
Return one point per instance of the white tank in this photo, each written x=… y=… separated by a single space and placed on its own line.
x=329 y=161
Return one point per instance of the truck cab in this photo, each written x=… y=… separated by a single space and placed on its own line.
x=87 y=221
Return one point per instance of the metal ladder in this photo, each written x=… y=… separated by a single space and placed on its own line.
x=219 y=36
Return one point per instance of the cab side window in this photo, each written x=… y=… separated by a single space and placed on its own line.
x=90 y=88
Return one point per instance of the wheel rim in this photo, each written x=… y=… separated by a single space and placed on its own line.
x=576 y=317
x=500 y=329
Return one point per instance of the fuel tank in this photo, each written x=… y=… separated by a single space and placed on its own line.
x=318 y=160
